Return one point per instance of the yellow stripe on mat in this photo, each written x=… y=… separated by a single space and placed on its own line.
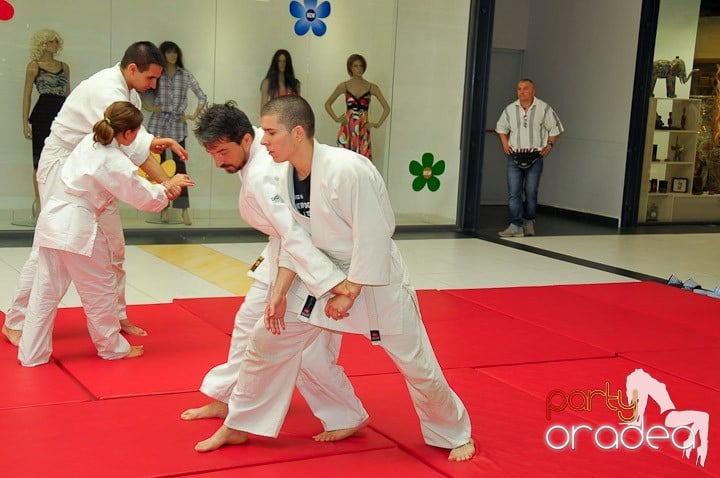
x=213 y=266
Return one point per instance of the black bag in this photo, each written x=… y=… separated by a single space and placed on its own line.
x=526 y=159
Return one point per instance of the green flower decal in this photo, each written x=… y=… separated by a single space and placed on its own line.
x=426 y=172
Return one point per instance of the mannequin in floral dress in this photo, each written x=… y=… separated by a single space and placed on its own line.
x=354 y=133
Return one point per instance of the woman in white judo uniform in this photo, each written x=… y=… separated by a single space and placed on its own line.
x=352 y=222
x=73 y=245
x=228 y=135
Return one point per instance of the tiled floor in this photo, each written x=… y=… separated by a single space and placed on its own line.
x=575 y=252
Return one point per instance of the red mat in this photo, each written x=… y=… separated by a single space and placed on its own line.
x=179 y=350
x=436 y=305
x=509 y=427
x=28 y=387
x=682 y=307
x=609 y=326
x=487 y=337
x=217 y=311
x=541 y=332
x=694 y=365
x=478 y=337
x=539 y=380
x=368 y=464
x=143 y=436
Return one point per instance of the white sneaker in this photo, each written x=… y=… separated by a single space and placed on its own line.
x=529 y=228
x=512 y=231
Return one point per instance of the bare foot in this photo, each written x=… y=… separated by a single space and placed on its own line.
x=222 y=437
x=13 y=336
x=135 y=351
x=463 y=452
x=341 y=434
x=214 y=409
x=129 y=328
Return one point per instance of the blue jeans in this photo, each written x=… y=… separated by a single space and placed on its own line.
x=523 y=191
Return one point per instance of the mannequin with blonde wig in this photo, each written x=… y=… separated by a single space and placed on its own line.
x=51 y=78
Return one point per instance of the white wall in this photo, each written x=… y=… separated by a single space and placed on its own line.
x=581 y=55
x=416 y=56
x=427 y=106
x=510 y=28
x=510 y=24
x=30 y=16
x=583 y=63
x=249 y=32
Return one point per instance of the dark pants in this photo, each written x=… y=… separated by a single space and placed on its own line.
x=182 y=201
x=41 y=118
x=523 y=191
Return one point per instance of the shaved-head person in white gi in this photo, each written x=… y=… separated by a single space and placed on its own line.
x=234 y=144
x=347 y=211
x=137 y=72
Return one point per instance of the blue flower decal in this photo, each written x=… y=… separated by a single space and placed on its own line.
x=309 y=16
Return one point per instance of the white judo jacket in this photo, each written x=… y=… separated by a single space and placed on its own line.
x=93 y=176
x=352 y=222
x=259 y=208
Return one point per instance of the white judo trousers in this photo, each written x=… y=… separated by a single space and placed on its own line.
x=95 y=282
x=110 y=222
x=320 y=380
x=261 y=398
x=72 y=244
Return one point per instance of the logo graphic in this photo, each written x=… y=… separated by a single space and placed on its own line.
x=309 y=16
x=6 y=10
x=426 y=172
x=686 y=430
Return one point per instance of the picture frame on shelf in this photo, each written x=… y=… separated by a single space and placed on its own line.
x=679 y=185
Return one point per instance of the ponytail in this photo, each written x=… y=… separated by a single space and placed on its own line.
x=119 y=117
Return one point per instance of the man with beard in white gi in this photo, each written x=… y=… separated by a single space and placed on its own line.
x=234 y=144
x=137 y=72
x=353 y=223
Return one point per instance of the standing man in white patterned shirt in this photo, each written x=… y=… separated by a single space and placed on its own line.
x=526 y=125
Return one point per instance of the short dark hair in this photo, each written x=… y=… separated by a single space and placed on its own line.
x=143 y=54
x=352 y=59
x=526 y=80
x=291 y=111
x=222 y=122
